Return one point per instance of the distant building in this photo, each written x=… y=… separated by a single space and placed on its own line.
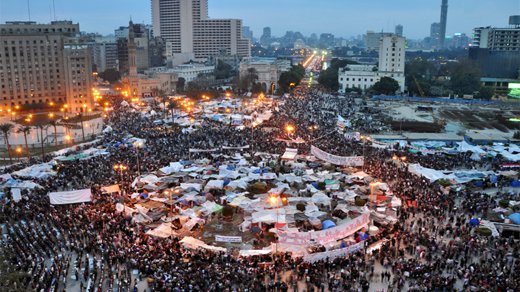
x=373 y=40
x=42 y=63
x=399 y=30
x=267 y=69
x=435 y=34
x=189 y=72
x=391 y=64
x=497 y=50
x=326 y=40
x=443 y=23
x=105 y=56
x=191 y=34
x=265 y=39
x=247 y=33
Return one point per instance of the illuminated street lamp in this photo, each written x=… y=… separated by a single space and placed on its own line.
x=138 y=145
x=19 y=152
x=290 y=130
x=120 y=167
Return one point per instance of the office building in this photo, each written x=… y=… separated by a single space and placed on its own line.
x=191 y=34
x=326 y=40
x=43 y=63
x=373 y=40
x=497 y=50
x=265 y=39
x=391 y=64
x=247 y=33
x=399 y=30
x=104 y=56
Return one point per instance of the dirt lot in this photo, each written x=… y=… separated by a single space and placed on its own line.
x=482 y=119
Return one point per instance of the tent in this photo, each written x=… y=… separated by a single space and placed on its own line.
x=474 y=222
x=328 y=224
x=515 y=218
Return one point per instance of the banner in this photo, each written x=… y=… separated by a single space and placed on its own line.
x=333 y=254
x=221 y=238
x=70 y=197
x=235 y=148
x=324 y=236
x=337 y=160
x=203 y=150
x=342 y=123
x=356 y=136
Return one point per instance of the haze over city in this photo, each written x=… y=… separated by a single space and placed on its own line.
x=340 y=17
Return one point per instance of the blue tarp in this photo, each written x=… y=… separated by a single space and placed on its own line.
x=474 y=222
x=515 y=218
x=493 y=178
x=327 y=224
x=515 y=183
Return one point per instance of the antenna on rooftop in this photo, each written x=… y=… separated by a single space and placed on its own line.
x=54 y=9
x=29 y=9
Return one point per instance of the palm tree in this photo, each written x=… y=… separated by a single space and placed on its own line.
x=25 y=130
x=6 y=129
x=172 y=106
x=41 y=127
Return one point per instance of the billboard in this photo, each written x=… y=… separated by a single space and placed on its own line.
x=514 y=90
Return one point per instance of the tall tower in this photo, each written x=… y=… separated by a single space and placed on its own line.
x=444 y=21
x=133 y=78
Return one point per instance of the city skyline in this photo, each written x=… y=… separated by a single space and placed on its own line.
x=463 y=16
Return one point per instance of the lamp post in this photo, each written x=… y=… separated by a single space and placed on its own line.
x=290 y=129
x=120 y=167
x=137 y=146
x=19 y=152
x=275 y=201
x=364 y=139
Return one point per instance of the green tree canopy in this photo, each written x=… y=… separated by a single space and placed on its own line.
x=465 y=77
x=329 y=77
x=110 y=75
x=223 y=70
x=386 y=85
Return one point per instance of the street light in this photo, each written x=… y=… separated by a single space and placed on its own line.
x=290 y=129
x=120 y=167
x=137 y=146
x=19 y=152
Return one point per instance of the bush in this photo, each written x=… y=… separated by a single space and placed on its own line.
x=228 y=211
x=503 y=203
x=258 y=188
x=484 y=231
x=360 y=202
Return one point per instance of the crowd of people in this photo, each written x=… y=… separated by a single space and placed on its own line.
x=94 y=248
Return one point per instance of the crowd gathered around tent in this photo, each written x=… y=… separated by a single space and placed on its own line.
x=431 y=246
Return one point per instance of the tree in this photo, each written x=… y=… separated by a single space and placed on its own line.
x=41 y=127
x=6 y=129
x=25 y=130
x=172 y=106
x=110 y=75
x=486 y=93
x=223 y=70
x=181 y=83
x=386 y=85
x=291 y=78
x=251 y=77
x=54 y=124
x=465 y=77
x=329 y=77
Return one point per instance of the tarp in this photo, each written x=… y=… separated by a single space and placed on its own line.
x=111 y=189
x=327 y=224
x=193 y=243
x=337 y=160
x=164 y=230
x=515 y=218
x=290 y=154
x=70 y=197
x=41 y=171
x=17 y=194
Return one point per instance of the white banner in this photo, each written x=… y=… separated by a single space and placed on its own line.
x=203 y=150
x=70 y=197
x=324 y=236
x=356 y=136
x=337 y=160
x=333 y=254
x=235 y=148
x=221 y=238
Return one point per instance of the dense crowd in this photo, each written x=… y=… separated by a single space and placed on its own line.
x=430 y=248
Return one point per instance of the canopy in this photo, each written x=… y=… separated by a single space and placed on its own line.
x=515 y=218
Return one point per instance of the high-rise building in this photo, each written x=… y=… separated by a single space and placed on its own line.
x=373 y=40
x=265 y=39
x=444 y=21
x=391 y=64
x=42 y=63
x=104 y=55
x=247 y=33
x=326 y=40
x=399 y=30
x=190 y=33
x=497 y=50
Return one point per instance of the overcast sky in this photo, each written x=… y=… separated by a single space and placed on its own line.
x=340 y=17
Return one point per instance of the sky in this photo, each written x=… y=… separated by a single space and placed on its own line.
x=343 y=18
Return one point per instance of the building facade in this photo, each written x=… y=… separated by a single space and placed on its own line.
x=391 y=64
x=191 y=34
x=43 y=63
x=268 y=71
x=373 y=39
